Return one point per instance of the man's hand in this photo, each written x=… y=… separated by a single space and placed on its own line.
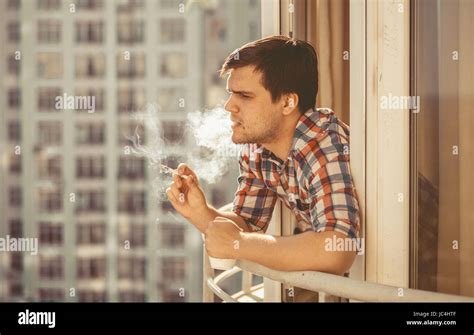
x=189 y=200
x=185 y=194
x=222 y=238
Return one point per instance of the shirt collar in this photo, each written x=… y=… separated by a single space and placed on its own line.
x=308 y=126
x=311 y=124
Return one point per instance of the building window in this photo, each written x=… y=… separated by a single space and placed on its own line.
x=49 y=133
x=131 y=168
x=50 y=233
x=87 y=93
x=132 y=202
x=49 y=4
x=173 y=131
x=50 y=201
x=14 y=98
x=171 y=295
x=49 y=31
x=90 y=201
x=218 y=31
x=135 y=234
x=131 y=268
x=50 y=65
x=131 y=68
x=91 y=268
x=173 y=65
x=14 y=33
x=219 y=197
x=90 y=233
x=16 y=288
x=89 y=4
x=130 y=31
x=131 y=296
x=130 y=99
x=166 y=206
x=50 y=168
x=15 y=164
x=15 y=196
x=173 y=269
x=14 y=65
x=90 y=66
x=127 y=6
x=173 y=161
x=15 y=228
x=89 y=32
x=14 y=4
x=169 y=4
x=50 y=294
x=91 y=296
x=90 y=133
x=172 y=30
x=129 y=129
x=16 y=262
x=90 y=167
x=14 y=131
x=47 y=98
x=172 y=99
x=51 y=267
x=253 y=4
x=172 y=236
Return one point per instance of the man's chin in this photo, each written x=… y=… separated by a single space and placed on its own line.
x=239 y=139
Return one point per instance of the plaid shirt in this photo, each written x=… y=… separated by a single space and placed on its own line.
x=315 y=181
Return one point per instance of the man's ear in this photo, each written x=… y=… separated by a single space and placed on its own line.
x=290 y=103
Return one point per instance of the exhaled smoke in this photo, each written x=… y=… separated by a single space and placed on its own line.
x=214 y=150
x=210 y=152
x=154 y=149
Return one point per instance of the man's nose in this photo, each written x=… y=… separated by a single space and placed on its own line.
x=230 y=105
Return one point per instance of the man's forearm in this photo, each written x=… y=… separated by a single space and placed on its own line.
x=295 y=253
x=201 y=219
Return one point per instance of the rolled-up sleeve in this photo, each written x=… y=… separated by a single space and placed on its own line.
x=334 y=205
x=253 y=201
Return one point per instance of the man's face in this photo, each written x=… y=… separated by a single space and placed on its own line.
x=255 y=118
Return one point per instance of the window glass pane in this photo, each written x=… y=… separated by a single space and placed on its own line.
x=443 y=247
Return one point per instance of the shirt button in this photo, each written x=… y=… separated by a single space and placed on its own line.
x=291 y=197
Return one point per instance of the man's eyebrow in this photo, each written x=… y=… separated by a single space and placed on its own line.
x=239 y=92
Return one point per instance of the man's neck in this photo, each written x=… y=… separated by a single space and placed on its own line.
x=282 y=144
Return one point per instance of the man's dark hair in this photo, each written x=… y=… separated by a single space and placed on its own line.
x=287 y=66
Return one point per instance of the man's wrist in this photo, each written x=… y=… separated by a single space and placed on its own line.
x=206 y=212
x=242 y=244
x=198 y=213
x=201 y=217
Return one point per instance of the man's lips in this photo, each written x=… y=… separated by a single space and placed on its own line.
x=235 y=123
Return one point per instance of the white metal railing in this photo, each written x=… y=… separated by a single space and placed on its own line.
x=328 y=283
x=350 y=288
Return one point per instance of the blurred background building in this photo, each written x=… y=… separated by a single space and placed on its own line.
x=67 y=177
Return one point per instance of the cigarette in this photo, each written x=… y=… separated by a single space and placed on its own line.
x=167 y=170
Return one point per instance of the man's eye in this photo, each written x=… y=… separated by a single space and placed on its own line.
x=245 y=96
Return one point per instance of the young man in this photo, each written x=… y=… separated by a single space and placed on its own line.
x=292 y=151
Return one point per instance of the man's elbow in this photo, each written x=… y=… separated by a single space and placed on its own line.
x=333 y=258
x=340 y=262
